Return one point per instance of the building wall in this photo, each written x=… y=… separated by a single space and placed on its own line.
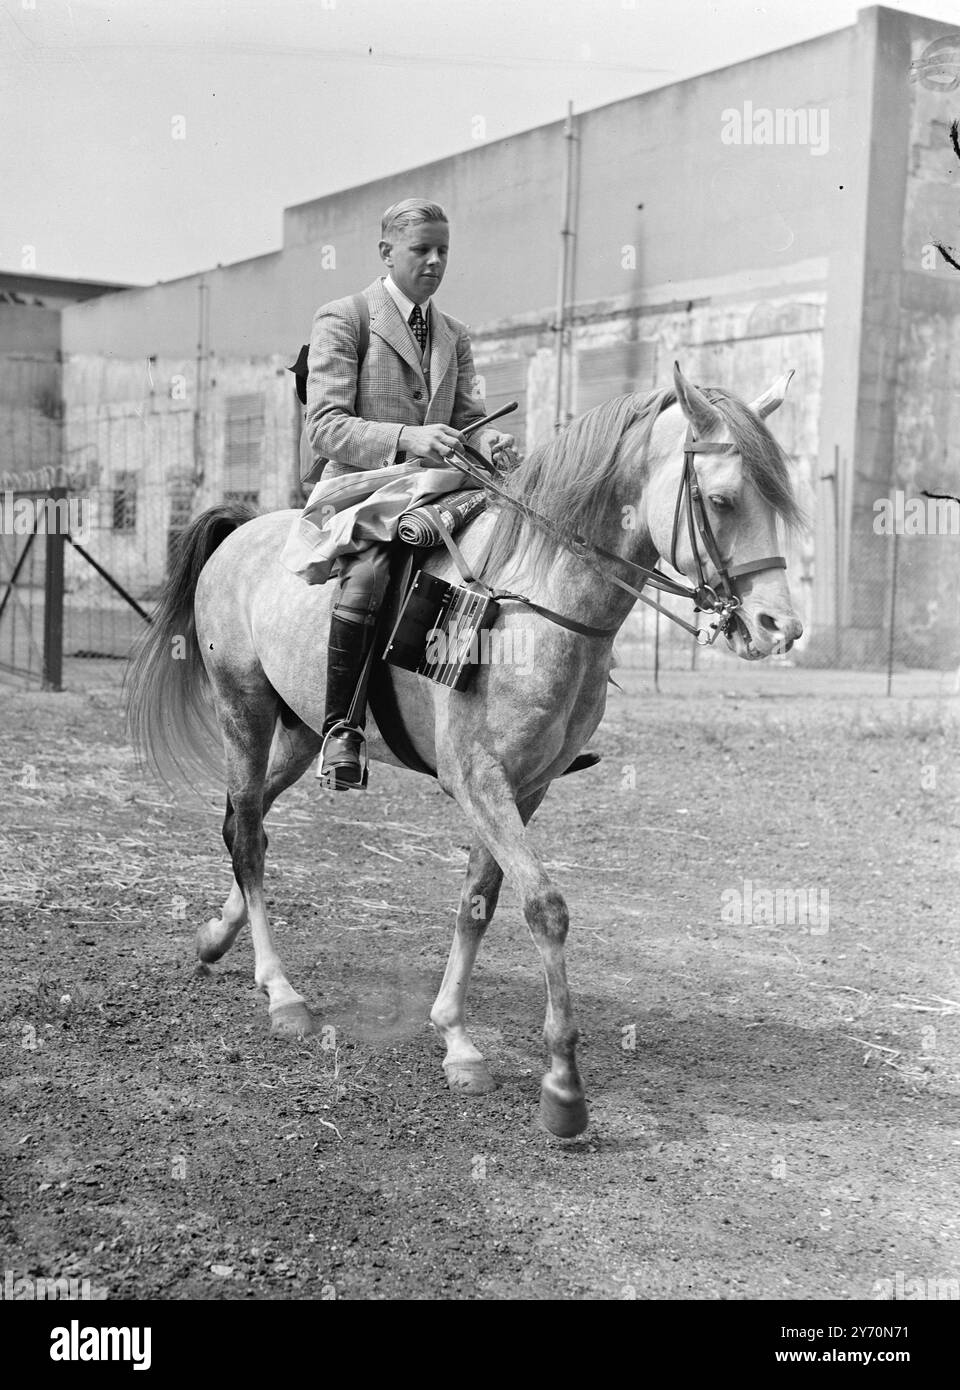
x=30 y=388
x=890 y=329
x=139 y=419
x=739 y=259
x=926 y=378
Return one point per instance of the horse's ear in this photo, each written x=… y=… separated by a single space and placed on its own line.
x=772 y=398
x=694 y=404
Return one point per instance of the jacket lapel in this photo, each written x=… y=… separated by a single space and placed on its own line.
x=442 y=349
x=387 y=322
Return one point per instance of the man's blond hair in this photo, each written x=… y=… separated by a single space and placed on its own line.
x=406 y=213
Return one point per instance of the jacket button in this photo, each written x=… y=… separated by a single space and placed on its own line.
x=418 y=395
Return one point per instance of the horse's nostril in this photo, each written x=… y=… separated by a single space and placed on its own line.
x=770 y=623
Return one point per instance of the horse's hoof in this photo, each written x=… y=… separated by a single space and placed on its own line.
x=469 y=1078
x=563 y=1113
x=210 y=943
x=291 y=1022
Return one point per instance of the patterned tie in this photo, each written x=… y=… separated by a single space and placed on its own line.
x=419 y=327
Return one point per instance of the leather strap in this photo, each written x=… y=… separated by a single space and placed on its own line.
x=501 y=595
x=582 y=549
x=695 y=499
x=768 y=562
x=578 y=545
x=357 y=704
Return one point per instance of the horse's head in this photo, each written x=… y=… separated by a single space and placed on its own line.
x=743 y=490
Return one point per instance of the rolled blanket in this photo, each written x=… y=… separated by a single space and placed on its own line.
x=419 y=525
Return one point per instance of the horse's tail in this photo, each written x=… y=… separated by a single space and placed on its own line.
x=170 y=721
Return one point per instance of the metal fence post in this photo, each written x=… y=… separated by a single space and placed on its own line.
x=53 y=593
x=656 y=649
x=893 y=615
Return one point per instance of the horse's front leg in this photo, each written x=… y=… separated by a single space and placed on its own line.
x=489 y=803
x=464 y=1065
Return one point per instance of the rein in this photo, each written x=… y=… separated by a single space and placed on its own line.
x=722 y=600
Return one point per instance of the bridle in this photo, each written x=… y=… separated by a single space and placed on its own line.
x=721 y=599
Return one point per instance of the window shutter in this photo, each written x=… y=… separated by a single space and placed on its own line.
x=243 y=442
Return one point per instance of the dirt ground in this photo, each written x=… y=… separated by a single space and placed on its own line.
x=775 y=1107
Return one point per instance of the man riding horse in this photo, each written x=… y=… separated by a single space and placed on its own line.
x=391 y=379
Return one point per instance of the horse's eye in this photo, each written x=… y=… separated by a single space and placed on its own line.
x=722 y=504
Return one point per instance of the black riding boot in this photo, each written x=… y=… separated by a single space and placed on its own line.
x=341 y=765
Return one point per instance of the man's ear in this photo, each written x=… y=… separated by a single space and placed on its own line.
x=386 y=251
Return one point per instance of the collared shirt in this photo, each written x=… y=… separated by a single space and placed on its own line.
x=405 y=306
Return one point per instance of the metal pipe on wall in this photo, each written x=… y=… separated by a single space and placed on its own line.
x=563 y=275
x=203 y=348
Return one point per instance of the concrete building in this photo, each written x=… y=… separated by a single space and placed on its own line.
x=781 y=212
x=31 y=385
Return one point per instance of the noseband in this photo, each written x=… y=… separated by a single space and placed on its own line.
x=721 y=599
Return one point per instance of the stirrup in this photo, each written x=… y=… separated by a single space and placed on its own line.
x=329 y=778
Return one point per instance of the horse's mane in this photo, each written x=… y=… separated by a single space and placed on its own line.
x=570 y=478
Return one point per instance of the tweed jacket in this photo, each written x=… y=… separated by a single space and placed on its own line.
x=353 y=424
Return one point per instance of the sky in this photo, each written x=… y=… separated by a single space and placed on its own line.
x=141 y=140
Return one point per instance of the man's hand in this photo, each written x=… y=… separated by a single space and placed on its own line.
x=494 y=440
x=430 y=443
x=492 y=443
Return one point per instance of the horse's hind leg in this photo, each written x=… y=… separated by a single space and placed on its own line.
x=248 y=718
x=292 y=753
x=216 y=936
x=464 y=1065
